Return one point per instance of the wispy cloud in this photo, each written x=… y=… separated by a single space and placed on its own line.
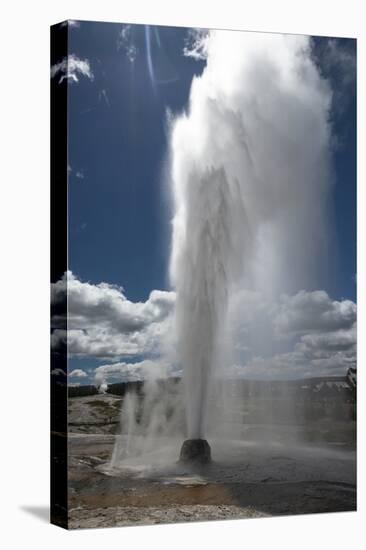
x=126 y=44
x=71 y=23
x=104 y=96
x=58 y=372
x=71 y=68
x=78 y=373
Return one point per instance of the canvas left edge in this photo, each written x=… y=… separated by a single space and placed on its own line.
x=58 y=268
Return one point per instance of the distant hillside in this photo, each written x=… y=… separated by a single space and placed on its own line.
x=82 y=391
x=319 y=387
x=254 y=402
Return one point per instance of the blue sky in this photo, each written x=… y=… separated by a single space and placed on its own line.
x=119 y=210
x=118 y=141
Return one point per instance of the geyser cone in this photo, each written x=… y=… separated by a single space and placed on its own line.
x=195 y=451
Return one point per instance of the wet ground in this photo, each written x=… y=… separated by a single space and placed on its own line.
x=245 y=479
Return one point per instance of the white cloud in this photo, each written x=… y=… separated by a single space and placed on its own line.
x=324 y=342
x=143 y=370
x=307 y=334
x=314 y=311
x=196 y=44
x=126 y=44
x=78 y=373
x=58 y=372
x=102 y=322
x=71 y=68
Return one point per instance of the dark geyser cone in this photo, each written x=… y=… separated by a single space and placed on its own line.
x=195 y=451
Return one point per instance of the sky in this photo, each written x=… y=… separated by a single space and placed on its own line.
x=125 y=84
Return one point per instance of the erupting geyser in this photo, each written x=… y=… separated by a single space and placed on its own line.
x=206 y=261
x=250 y=179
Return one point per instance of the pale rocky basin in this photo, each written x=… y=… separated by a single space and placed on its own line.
x=245 y=479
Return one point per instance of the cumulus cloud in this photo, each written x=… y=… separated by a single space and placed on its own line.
x=324 y=342
x=307 y=334
x=102 y=322
x=58 y=372
x=78 y=373
x=314 y=311
x=70 y=68
x=143 y=370
x=126 y=44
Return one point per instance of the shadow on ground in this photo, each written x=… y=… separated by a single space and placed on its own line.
x=40 y=512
